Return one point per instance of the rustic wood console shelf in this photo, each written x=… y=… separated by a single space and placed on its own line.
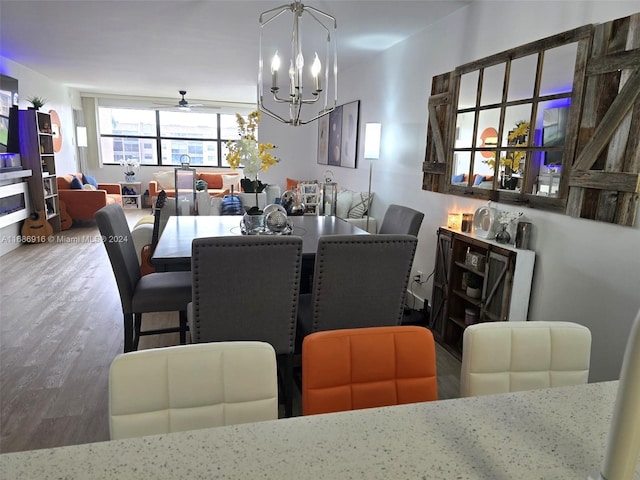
x=501 y=273
x=566 y=141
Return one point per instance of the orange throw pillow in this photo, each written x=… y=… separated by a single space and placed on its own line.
x=292 y=184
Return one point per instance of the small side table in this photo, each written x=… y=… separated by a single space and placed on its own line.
x=129 y=200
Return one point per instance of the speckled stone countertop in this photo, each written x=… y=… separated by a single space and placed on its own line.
x=545 y=434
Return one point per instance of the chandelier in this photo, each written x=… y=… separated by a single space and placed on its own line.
x=319 y=29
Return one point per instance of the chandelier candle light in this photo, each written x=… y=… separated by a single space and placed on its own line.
x=295 y=99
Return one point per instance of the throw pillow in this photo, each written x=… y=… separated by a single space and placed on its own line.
x=88 y=186
x=457 y=178
x=359 y=204
x=229 y=180
x=75 y=184
x=89 y=179
x=343 y=203
x=213 y=180
x=166 y=180
x=478 y=179
x=292 y=184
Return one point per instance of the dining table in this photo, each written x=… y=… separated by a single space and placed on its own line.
x=554 y=433
x=173 y=250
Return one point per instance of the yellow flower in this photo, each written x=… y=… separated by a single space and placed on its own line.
x=246 y=151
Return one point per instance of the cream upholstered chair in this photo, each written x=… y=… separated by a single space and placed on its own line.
x=188 y=387
x=499 y=357
x=367 y=367
x=402 y=220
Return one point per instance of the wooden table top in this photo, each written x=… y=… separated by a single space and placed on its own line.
x=174 y=245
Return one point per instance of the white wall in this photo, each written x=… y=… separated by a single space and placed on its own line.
x=587 y=272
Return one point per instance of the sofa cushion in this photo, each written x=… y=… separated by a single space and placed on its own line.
x=229 y=180
x=359 y=204
x=166 y=179
x=343 y=203
x=88 y=179
x=75 y=183
x=214 y=180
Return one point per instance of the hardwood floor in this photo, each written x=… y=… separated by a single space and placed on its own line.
x=60 y=328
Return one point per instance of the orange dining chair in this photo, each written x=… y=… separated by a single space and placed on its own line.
x=367 y=367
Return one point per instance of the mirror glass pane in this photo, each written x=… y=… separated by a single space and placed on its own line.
x=468 y=90
x=516 y=125
x=509 y=179
x=547 y=182
x=464 y=130
x=461 y=166
x=551 y=128
x=492 y=84
x=558 y=68
x=522 y=77
x=483 y=171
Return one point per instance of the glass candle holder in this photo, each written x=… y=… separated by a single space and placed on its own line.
x=454 y=220
x=467 y=222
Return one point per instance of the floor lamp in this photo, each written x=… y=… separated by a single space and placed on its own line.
x=372 y=133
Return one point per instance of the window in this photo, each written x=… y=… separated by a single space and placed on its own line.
x=155 y=137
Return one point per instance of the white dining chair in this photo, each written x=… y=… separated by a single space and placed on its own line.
x=501 y=357
x=188 y=387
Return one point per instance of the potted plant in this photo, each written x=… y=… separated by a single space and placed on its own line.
x=36 y=102
x=251 y=155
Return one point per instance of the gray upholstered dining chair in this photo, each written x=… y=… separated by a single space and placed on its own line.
x=155 y=292
x=502 y=357
x=358 y=281
x=246 y=288
x=401 y=220
x=173 y=389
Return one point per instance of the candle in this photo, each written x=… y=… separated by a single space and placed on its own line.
x=275 y=66
x=454 y=220
x=185 y=206
x=292 y=82
x=315 y=71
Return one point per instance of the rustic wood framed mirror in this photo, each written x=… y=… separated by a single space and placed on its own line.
x=553 y=124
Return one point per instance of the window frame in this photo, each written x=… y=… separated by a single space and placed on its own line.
x=158 y=139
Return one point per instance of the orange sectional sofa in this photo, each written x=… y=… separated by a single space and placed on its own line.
x=218 y=183
x=83 y=204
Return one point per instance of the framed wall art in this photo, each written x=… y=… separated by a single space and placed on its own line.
x=338 y=136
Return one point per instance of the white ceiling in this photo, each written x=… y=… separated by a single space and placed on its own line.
x=208 y=47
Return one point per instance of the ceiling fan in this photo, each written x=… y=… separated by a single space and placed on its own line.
x=184 y=105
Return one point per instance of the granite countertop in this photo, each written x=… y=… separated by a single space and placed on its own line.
x=555 y=433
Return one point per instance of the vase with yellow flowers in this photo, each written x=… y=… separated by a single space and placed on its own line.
x=248 y=153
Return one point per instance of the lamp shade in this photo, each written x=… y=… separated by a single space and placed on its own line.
x=81 y=136
x=372 y=133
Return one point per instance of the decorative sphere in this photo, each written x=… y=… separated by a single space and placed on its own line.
x=287 y=199
x=273 y=207
x=297 y=209
x=276 y=221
